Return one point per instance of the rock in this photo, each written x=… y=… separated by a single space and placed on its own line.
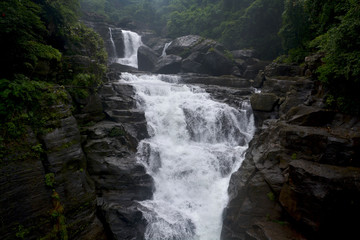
x=259 y=80
x=299 y=160
x=226 y=81
x=92 y=111
x=216 y=63
x=110 y=149
x=277 y=69
x=147 y=58
x=181 y=46
x=102 y=28
x=155 y=43
x=252 y=68
x=314 y=61
x=186 y=45
x=192 y=64
x=169 y=64
x=318 y=195
x=117 y=69
x=264 y=101
x=244 y=53
x=309 y=116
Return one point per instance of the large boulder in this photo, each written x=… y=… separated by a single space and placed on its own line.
x=147 y=58
x=192 y=63
x=264 y=101
x=216 y=63
x=244 y=53
x=277 y=69
x=324 y=198
x=169 y=64
x=181 y=46
x=186 y=45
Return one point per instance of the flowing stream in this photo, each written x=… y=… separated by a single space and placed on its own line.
x=195 y=145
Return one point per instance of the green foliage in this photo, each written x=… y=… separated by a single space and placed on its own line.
x=341 y=69
x=294 y=30
x=25 y=104
x=331 y=27
x=22 y=232
x=271 y=196
x=115 y=132
x=50 y=179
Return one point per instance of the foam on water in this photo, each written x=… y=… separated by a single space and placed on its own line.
x=195 y=145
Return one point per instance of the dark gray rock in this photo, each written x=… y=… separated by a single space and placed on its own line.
x=264 y=101
x=318 y=195
x=169 y=64
x=216 y=63
x=155 y=43
x=102 y=28
x=259 y=80
x=147 y=58
x=182 y=45
x=226 y=81
x=110 y=149
x=303 y=163
x=244 y=53
x=192 y=64
x=186 y=45
x=277 y=69
x=253 y=66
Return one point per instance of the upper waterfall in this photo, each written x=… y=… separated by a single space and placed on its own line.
x=132 y=42
x=195 y=146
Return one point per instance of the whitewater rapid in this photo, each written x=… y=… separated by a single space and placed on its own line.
x=195 y=145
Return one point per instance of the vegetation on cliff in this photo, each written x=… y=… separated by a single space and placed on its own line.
x=40 y=42
x=49 y=61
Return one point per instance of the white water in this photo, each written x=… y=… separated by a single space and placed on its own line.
x=163 y=54
x=195 y=145
x=113 y=47
x=132 y=42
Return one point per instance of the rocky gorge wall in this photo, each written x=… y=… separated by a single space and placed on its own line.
x=300 y=178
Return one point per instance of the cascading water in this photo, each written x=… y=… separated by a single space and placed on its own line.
x=164 y=49
x=132 y=42
x=113 y=47
x=195 y=145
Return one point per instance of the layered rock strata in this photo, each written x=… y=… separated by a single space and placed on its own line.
x=300 y=178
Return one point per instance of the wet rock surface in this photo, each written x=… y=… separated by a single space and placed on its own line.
x=300 y=175
x=110 y=148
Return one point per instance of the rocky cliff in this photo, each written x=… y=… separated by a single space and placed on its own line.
x=300 y=178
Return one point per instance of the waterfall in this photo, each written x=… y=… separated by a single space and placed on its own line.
x=195 y=145
x=113 y=47
x=132 y=42
x=164 y=49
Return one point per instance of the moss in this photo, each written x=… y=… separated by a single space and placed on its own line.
x=50 y=179
x=116 y=131
x=271 y=196
x=229 y=55
x=22 y=232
